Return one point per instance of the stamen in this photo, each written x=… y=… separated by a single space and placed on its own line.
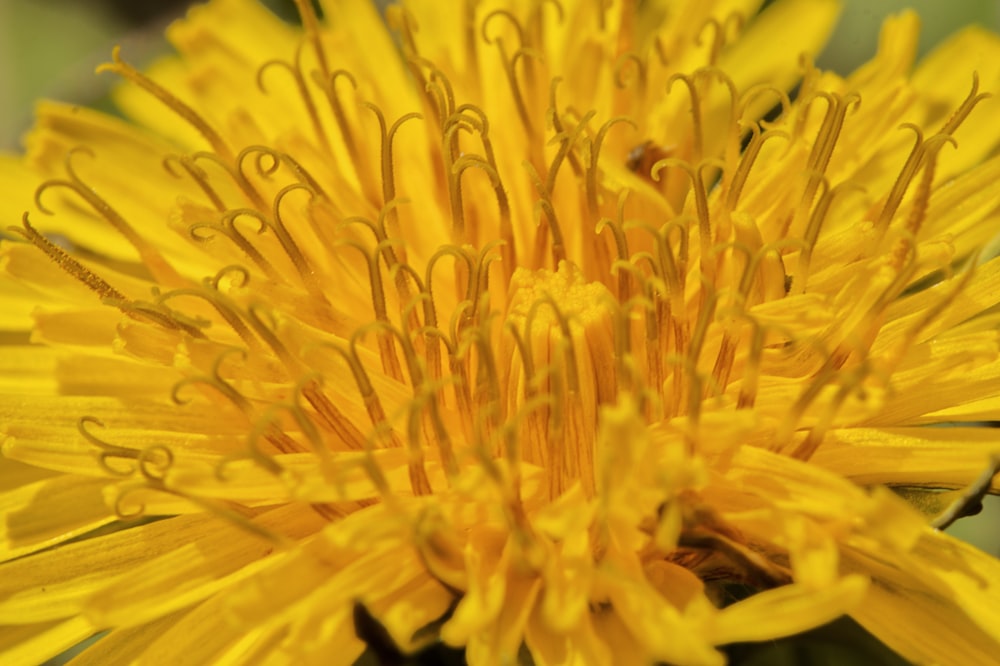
x=817 y=432
x=152 y=259
x=214 y=380
x=388 y=181
x=567 y=141
x=486 y=393
x=903 y=180
x=67 y=263
x=706 y=315
x=311 y=24
x=234 y=172
x=919 y=208
x=335 y=420
x=301 y=174
x=455 y=189
x=673 y=271
x=189 y=115
x=544 y=207
x=657 y=328
x=696 y=130
x=372 y=403
x=734 y=133
x=152 y=462
x=402 y=20
x=228 y=230
x=328 y=84
x=197 y=174
x=295 y=69
x=553 y=119
x=253 y=453
x=226 y=308
x=751 y=367
x=458 y=375
x=595 y=153
x=310 y=385
x=387 y=351
x=700 y=192
x=437 y=85
x=299 y=260
x=720 y=34
x=419 y=482
x=425 y=301
x=747 y=160
x=119 y=503
x=428 y=400
x=930 y=314
x=566 y=348
x=107 y=451
x=641 y=74
x=621 y=248
x=162 y=316
x=819 y=157
x=388 y=248
x=966 y=107
x=811 y=235
x=509 y=64
x=748 y=102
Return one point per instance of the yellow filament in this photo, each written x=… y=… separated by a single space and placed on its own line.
x=747 y=160
x=295 y=69
x=214 y=380
x=226 y=308
x=720 y=33
x=592 y=169
x=67 y=263
x=227 y=227
x=811 y=235
x=197 y=174
x=543 y=208
x=233 y=171
x=822 y=150
x=696 y=131
x=123 y=69
x=974 y=97
x=509 y=64
x=700 y=193
x=311 y=24
x=150 y=257
x=328 y=84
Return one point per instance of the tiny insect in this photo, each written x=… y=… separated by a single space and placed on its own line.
x=641 y=159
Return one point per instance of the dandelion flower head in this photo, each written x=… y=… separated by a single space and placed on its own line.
x=528 y=327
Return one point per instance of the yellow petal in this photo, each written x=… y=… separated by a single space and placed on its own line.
x=53 y=584
x=196 y=636
x=923 y=630
x=193 y=571
x=787 y=610
x=929 y=457
x=971 y=49
x=122 y=646
x=769 y=49
x=50 y=511
x=35 y=644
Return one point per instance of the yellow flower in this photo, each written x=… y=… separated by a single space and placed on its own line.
x=531 y=330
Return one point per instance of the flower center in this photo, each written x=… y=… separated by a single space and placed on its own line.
x=560 y=360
